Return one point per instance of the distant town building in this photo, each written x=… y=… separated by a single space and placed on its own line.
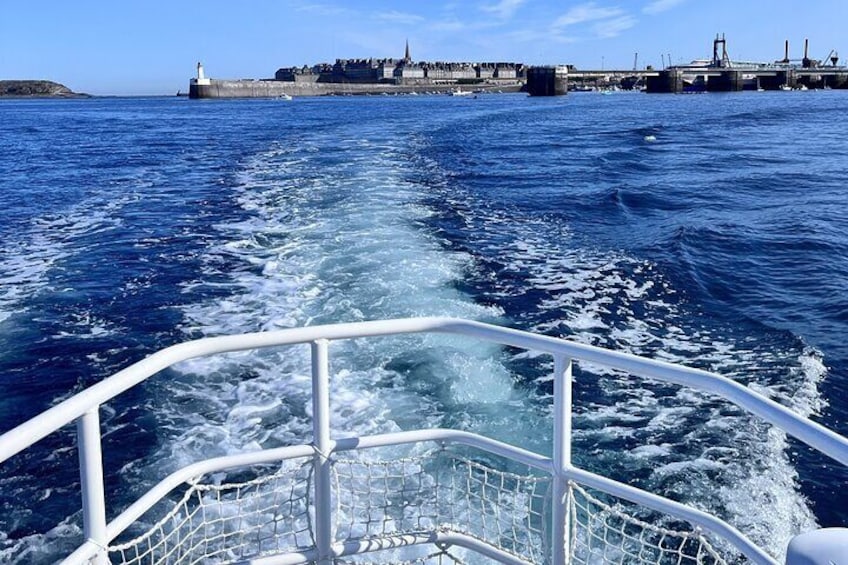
x=402 y=71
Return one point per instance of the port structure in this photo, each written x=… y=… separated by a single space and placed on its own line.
x=722 y=74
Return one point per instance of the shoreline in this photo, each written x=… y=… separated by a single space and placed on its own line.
x=36 y=88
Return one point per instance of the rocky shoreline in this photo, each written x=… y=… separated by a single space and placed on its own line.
x=36 y=88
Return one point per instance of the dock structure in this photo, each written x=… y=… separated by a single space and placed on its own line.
x=722 y=74
x=547 y=81
x=405 y=76
x=685 y=78
x=681 y=79
x=249 y=88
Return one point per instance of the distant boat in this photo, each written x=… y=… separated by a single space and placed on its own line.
x=284 y=96
x=785 y=87
x=460 y=92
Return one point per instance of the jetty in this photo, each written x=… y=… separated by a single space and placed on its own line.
x=719 y=74
x=371 y=76
x=692 y=78
x=404 y=76
x=269 y=88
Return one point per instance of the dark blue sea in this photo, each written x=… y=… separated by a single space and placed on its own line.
x=709 y=230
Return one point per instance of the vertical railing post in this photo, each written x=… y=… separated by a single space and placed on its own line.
x=321 y=442
x=91 y=481
x=562 y=459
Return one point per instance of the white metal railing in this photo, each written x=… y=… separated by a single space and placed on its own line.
x=84 y=409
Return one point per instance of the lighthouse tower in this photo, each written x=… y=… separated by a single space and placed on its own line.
x=201 y=77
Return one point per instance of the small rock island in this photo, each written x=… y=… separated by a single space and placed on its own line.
x=35 y=88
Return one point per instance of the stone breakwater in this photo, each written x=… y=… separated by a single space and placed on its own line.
x=215 y=88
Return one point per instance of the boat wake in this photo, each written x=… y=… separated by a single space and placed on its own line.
x=359 y=222
x=684 y=444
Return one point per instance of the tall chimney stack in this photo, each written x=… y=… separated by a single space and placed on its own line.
x=807 y=63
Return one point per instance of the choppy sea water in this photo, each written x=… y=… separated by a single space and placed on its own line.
x=131 y=224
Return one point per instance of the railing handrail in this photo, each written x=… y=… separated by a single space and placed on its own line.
x=444 y=436
x=811 y=433
x=84 y=408
x=208 y=466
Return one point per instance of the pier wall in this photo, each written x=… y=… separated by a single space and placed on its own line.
x=824 y=80
x=727 y=81
x=734 y=80
x=275 y=88
x=836 y=80
x=778 y=79
x=541 y=81
x=547 y=81
x=670 y=81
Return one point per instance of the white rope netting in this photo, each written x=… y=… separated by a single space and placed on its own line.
x=445 y=492
x=225 y=522
x=606 y=533
x=272 y=514
x=395 y=557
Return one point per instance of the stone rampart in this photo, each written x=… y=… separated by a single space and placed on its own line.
x=276 y=89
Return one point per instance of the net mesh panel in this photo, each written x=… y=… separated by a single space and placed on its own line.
x=228 y=521
x=401 y=557
x=270 y=514
x=607 y=533
x=448 y=492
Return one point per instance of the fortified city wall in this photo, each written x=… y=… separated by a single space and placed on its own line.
x=213 y=88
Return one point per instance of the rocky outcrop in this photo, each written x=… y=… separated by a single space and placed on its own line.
x=34 y=88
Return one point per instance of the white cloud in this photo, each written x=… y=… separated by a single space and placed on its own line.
x=522 y=36
x=613 y=27
x=402 y=18
x=504 y=9
x=449 y=25
x=658 y=6
x=587 y=13
x=565 y=39
x=321 y=9
x=602 y=21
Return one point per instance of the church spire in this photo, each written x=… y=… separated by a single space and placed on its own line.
x=406 y=56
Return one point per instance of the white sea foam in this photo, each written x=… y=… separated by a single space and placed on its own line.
x=320 y=244
x=42 y=548
x=694 y=448
x=27 y=261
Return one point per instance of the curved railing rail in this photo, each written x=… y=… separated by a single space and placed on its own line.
x=84 y=409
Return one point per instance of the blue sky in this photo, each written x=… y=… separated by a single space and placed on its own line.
x=152 y=46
